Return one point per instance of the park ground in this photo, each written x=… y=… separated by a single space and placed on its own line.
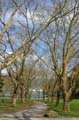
x=35 y=110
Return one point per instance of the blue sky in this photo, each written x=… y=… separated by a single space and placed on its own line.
x=7 y=8
x=42 y=7
x=7 y=4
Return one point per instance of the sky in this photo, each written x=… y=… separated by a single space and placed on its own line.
x=7 y=9
x=39 y=8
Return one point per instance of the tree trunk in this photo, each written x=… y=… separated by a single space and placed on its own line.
x=57 y=98
x=43 y=95
x=14 y=95
x=22 y=94
x=67 y=102
x=14 y=99
x=66 y=90
x=52 y=98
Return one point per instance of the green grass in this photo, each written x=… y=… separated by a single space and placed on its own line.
x=74 y=108
x=6 y=106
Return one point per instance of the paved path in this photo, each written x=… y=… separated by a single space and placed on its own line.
x=35 y=113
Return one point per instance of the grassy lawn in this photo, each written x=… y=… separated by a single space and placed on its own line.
x=74 y=108
x=6 y=106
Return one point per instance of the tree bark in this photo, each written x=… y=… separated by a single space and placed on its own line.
x=57 y=98
x=66 y=90
x=43 y=95
x=22 y=94
x=14 y=98
x=67 y=102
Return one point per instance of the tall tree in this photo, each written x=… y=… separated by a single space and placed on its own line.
x=62 y=38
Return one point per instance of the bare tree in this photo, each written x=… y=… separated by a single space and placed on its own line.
x=59 y=30
x=10 y=20
x=62 y=39
x=34 y=36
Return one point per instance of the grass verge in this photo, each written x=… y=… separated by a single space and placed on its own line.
x=74 y=108
x=6 y=106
